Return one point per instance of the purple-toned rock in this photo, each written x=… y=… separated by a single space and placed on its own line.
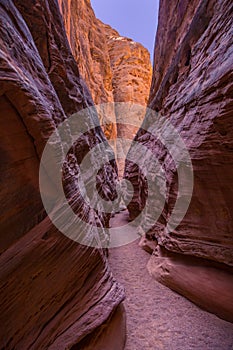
x=55 y=293
x=192 y=91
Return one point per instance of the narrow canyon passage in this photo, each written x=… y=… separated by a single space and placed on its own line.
x=157 y=317
x=73 y=91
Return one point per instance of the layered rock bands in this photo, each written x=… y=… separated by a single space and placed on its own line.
x=55 y=293
x=191 y=91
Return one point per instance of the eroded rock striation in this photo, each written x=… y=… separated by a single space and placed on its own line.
x=55 y=293
x=192 y=90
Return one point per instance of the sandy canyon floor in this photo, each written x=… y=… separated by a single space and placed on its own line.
x=158 y=318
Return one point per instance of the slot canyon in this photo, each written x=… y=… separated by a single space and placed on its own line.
x=116 y=179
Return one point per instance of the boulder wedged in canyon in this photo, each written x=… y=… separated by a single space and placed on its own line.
x=192 y=91
x=54 y=292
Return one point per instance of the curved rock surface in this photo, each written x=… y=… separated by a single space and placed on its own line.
x=192 y=89
x=54 y=291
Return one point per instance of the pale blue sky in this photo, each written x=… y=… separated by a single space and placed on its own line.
x=136 y=19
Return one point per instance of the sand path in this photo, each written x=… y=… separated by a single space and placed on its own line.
x=158 y=318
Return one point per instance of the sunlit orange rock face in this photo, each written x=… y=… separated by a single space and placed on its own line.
x=55 y=293
x=192 y=89
x=131 y=67
x=115 y=68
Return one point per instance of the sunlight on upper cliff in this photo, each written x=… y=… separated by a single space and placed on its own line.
x=135 y=19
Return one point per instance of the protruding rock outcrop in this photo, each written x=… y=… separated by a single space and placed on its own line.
x=192 y=90
x=55 y=292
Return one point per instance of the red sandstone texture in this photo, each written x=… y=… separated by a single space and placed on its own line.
x=115 y=68
x=192 y=88
x=55 y=293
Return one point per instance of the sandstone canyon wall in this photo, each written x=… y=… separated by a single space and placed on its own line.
x=55 y=293
x=115 y=68
x=192 y=89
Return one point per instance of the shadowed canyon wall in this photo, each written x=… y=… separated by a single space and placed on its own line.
x=192 y=89
x=55 y=293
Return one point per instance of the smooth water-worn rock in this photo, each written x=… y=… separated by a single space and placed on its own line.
x=55 y=292
x=201 y=281
x=192 y=90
